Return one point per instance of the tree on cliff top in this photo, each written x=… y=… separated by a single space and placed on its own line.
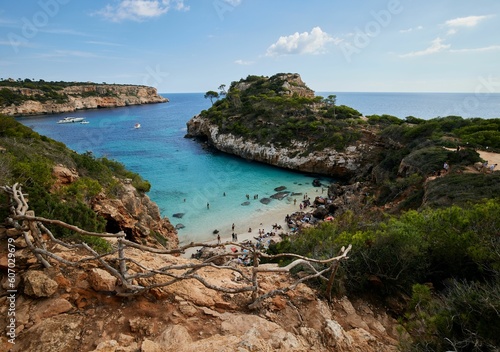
x=211 y=95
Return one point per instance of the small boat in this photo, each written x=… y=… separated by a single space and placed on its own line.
x=70 y=119
x=137 y=125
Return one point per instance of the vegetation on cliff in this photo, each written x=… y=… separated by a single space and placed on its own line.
x=29 y=158
x=279 y=109
x=30 y=97
x=11 y=91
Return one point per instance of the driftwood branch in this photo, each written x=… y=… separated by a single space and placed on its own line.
x=124 y=268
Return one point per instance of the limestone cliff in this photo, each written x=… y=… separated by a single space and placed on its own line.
x=131 y=212
x=355 y=160
x=32 y=101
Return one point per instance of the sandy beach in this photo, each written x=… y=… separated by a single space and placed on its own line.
x=263 y=220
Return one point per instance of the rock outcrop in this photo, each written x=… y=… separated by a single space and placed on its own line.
x=139 y=217
x=187 y=316
x=355 y=161
x=78 y=97
x=131 y=211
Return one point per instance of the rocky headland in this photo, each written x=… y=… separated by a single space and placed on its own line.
x=35 y=101
x=353 y=162
x=260 y=120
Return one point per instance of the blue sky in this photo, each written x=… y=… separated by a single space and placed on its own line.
x=194 y=45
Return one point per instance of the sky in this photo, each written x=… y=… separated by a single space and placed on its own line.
x=197 y=45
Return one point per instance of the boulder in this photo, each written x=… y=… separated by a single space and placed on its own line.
x=51 y=307
x=59 y=333
x=37 y=284
x=320 y=213
x=265 y=201
x=101 y=280
x=280 y=195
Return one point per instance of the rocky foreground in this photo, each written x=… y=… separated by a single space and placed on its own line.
x=80 y=97
x=76 y=309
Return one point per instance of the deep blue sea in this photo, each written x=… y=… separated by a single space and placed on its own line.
x=185 y=177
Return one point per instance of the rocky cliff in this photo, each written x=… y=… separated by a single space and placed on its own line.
x=131 y=212
x=77 y=97
x=355 y=161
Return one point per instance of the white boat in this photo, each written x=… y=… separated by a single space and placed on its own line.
x=137 y=125
x=70 y=119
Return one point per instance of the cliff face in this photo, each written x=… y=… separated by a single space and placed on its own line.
x=80 y=97
x=356 y=160
x=131 y=212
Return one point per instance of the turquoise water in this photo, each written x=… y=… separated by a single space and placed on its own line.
x=185 y=177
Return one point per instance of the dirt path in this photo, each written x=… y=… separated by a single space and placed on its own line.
x=491 y=158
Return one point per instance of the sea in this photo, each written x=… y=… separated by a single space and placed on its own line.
x=201 y=190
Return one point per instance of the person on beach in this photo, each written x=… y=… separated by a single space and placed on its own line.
x=232 y=227
x=218 y=239
x=208 y=205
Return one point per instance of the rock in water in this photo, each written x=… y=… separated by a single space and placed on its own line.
x=265 y=201
x=179 y=226
x=245 y=203
x=280 y=188
x=178 y=215
x=280 y=195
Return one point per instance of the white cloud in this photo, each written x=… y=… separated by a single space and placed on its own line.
x=233 y=3
x=475 y=50
x=302 y=43
x=139 y=10
x=243 y=62
x=408 y=30
x=469 y=21
x=436 y=46
x=102 y=43
x=67 y=53
x=64 y=32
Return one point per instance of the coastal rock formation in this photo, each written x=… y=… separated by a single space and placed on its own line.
x=136 y=215
x=131 y=212
x=355 y=160
x=78 y=97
